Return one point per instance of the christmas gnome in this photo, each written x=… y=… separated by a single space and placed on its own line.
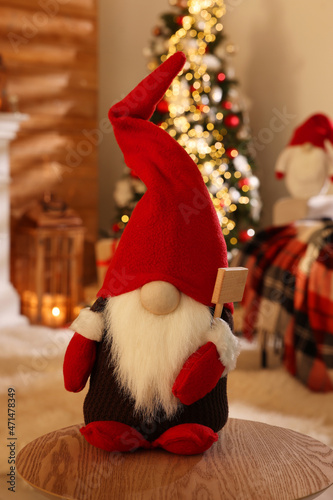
x=307 y=162
x=156 y=358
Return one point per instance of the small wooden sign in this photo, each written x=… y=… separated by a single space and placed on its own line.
x=229 y=287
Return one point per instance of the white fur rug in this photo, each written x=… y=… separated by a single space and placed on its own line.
x=31 y=362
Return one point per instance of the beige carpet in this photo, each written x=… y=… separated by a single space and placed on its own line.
x=31 y=362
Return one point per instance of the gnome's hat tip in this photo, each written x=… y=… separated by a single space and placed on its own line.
x=142 y=100
x=179 y=56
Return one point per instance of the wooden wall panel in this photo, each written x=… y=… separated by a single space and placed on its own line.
x=49 y=48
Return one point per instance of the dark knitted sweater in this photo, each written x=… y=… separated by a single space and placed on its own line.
x=106 y=399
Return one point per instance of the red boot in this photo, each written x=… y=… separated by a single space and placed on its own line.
x=186 y=439
x=113 y=436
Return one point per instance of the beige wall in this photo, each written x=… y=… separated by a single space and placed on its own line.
x=283 y=65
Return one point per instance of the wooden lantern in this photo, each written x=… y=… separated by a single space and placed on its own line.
x=47 y=263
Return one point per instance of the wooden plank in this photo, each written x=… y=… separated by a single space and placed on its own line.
x=38 y=25
x=32 y=77
x=52 y=142
x=48 y=54
x=229 y=287
x=80 y=98
x=83 y=109
x=40 y=123
x=39 y=144
x=49 y=94
x=87 y=170
x=83 y=73
x=60 y=165
x=74 y=8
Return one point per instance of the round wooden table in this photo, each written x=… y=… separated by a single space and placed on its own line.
x=251 y=460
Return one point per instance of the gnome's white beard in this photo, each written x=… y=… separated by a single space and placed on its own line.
x=149 y=350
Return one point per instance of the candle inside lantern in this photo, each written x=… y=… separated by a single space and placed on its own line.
x=54 y=310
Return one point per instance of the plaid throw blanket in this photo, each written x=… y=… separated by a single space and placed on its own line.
x=289 y=296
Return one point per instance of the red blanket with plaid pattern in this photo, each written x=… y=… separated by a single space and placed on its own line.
x=289 y=294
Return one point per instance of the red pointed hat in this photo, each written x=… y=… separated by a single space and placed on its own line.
x=316 y=129
x=173 y=234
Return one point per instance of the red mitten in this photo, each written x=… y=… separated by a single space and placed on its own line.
x=79 y=360
x=199 y=375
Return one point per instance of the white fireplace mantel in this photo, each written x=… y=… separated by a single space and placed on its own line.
x=9 y=299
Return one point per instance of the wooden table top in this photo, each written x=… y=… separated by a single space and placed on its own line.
x=251 y=460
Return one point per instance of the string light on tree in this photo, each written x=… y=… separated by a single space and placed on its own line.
x=202 y=110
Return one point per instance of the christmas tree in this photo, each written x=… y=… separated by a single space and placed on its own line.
x=203 y=111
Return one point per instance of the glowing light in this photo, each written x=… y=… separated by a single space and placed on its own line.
x=251 y=232
x=208 y=167
x=125 y=218
x=217 y=94
x=56 y=312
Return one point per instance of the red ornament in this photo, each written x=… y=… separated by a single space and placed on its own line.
x=231 y=121
x=226 y=104
x=179 y=20
x=115 y=228
x=163 y=106
x=244 y=236
x=280 y=175
x=243 y=182
x=221 y=77
x=231 y=153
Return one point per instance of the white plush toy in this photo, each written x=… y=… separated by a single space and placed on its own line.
x=306 y=163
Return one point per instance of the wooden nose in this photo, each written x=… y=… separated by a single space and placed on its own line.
x=159 y=297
